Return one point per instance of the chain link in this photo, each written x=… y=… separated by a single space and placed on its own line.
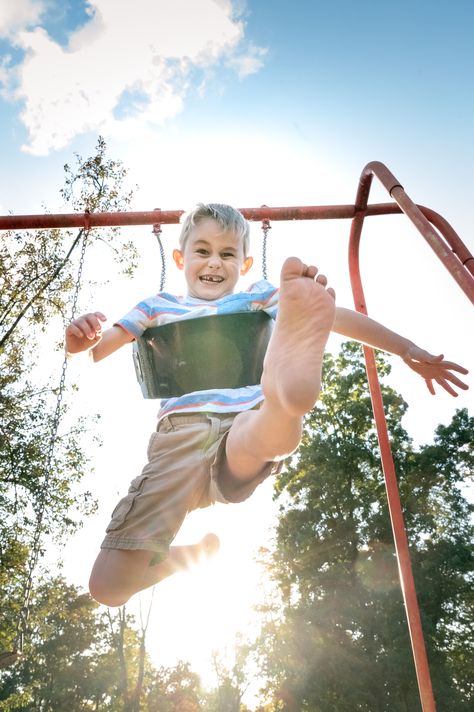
x=40 y=510
x=157 y=233
x=265 y=227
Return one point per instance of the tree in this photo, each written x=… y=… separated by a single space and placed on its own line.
x=175 y=689
x=134 y=670
x=42 y=464
x=65 y=665
x=341 y=641
x=80 y=657
x=232 y=682
x=37 y=268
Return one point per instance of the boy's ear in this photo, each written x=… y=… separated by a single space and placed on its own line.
x=248 y=262
x=178 y=259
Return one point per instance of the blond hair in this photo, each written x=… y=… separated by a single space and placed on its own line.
x=227 y=217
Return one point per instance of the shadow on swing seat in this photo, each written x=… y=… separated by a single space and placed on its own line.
x=206 y=353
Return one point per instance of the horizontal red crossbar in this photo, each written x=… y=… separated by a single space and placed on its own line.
x=150 y=217
x=449 y=248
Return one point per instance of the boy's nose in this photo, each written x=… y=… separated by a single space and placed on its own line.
x=214 y=261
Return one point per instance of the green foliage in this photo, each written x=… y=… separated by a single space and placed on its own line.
x=37 y=269
x=174 y=690
x=341 y=641
x=232 y=681
x=72 y=658
x=40 y=465
x=62 y=654
x=97 y=184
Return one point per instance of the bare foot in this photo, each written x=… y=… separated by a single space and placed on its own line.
x=182 y=557
x=120 y=573
x=210 y=545
x=292 y=368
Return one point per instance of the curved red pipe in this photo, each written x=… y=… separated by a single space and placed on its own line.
x=391 y=486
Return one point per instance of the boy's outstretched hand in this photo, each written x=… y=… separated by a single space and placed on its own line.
x=84 y=332
x=434 y=368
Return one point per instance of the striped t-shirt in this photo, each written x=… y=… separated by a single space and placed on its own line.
x=164 y=308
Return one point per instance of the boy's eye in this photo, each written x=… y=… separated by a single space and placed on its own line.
x=227 y=254
x=201 y=251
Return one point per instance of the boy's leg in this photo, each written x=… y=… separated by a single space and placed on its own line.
x=291 y=375
x=119 y=573
x=145 y=521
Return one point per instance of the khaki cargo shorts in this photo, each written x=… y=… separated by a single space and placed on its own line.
x=185 y=471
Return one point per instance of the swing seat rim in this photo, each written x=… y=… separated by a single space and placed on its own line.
x=212 y=352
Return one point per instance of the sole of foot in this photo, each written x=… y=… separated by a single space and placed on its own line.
x=306 y=310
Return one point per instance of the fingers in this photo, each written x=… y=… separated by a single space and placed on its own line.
x=88 y=325
x=442 y=374
x=444 y=384
x=457 y=381
x=451 y=366
x=441 y=382
x=429 y=384
x=437 y=361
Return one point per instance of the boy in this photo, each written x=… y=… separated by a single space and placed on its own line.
x=218 y=446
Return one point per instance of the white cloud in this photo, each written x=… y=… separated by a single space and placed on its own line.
x=248 y=63
x=130 y=64
x=16 y=14
x=3 y=71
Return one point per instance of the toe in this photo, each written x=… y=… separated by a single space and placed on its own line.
x=292 y=267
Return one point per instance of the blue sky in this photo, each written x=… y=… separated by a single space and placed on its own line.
x=351 y=81
x=251 y=102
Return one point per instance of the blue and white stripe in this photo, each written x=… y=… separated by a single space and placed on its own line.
x=164 y=308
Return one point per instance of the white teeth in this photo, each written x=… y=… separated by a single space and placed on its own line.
x=210 y=278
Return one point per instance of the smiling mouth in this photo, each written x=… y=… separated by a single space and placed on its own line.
x=212 y=279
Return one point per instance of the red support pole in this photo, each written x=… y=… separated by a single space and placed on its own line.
x=398 y=526
x=445 y=253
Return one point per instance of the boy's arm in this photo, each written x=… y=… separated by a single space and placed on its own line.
x=85 y=334
x=432 y=368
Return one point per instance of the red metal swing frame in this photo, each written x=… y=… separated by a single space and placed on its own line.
x=447 y=245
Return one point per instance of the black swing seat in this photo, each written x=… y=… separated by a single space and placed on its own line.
x=206 y=353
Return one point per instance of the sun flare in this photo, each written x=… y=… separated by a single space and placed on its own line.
x=206 y=608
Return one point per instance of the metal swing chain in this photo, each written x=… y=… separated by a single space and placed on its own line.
x=265 y=227
x=157 y=233
x=25 y=609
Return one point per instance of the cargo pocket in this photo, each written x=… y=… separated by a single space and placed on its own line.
x=123 y=508
x=153 y=445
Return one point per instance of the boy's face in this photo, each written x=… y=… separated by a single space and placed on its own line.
x=212 y=261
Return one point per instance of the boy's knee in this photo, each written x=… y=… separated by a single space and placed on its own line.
x=105 y=595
